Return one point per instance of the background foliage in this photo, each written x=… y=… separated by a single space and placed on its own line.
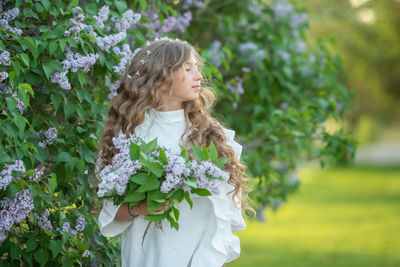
x=273 y=90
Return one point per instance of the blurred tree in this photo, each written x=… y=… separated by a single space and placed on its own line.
x=367 y=34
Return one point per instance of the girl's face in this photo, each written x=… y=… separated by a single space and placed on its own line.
x=185 y=86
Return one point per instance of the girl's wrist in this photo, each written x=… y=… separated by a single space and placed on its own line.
x=132 y=214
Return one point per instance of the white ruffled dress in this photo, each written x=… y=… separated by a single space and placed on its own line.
x=205 y=234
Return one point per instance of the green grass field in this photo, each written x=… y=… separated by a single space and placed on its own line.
x=340 y=217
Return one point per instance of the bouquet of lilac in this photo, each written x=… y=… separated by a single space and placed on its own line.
x=145 y=171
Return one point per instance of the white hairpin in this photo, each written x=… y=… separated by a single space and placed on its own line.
x=129 y=76
x=148 y=52
x=137 y=73
x=142 y=61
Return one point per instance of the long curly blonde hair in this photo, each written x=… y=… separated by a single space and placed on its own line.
x=150 y=70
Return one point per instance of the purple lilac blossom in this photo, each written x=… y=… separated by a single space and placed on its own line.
x=80 y=224
x=215 y=53
x=245 y=69
x=116 y=175
x=187 y=4
x=113 y=90
x=66 y=227
x=38 y=173
x=76 y=61
x=44 y=221
x=238 y=88
x=176 y=171
x=6 y=89
x=182 y=22
x=102 y=16
x=5 y=58
x=126 y=56
x=48 y=137
x=203 y=170
x=5 y=17
x=298 y=19
x=281 y=8
x=128 y=19
x=76 y=23
x=62 y=79
x=14 y=211
x=283 y=54
x=20 y=105
x=109 y=41
x=86 y=254
x=3 y=76
x=6 y=175
x=251 y=51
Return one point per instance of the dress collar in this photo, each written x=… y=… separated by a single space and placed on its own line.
x=166 y=116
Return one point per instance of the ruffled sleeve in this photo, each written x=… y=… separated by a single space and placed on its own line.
x=219 y=245
x=108 y=226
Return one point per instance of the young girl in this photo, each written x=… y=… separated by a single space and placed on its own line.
x=160 y=96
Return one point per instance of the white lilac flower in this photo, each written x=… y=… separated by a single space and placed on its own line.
x=175 y=170
x=76 y=61
x=113 y=90
x=284 y=55
x=281 y=9
x=76 y=23
x=6 y=175
x=91 y=31
x=86 y=254
x=15 y=210
x=203 y=171
x=10 y=14
x=3 y=76
x=62 y=79
x=6 y=89
x=192 y=3
x=38 y=173
x=80 y=224
x=298 y=19
x=183 y=22
x=44 y=221
x=300 y=46
x=20 y=105
x=167 y=26
x=128 y=19
x=251 y=51
x=5 y=58
x=109 y=41
x=126 y=56
x=7 y=16
x=102 y=16
x=245 y=69
x=66 y=227
x=215 y=53
x=116 y=176
x=237 y=88
x=47 y=137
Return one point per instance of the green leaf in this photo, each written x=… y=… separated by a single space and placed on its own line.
x=48 y=70
x=154 y=167
x=31 y=245
x=206 y=155
x=41 y=256
x=198 y=153
x=11 y=103
x=24 y=58
x=188 y=199
x=12 y=189
x=134 y=197
x=151 y=184
x=148 y=147
x=184 y=152
x=121 y=6
x=53 y=183
x=134 y=151
x=46 y=4
x=201 y=192
x=15 y=251
x=156 y=216
x=140 y=178
x=83 y=78
x=162 y=157
x=55 y=247
x=213 y=152
x=53 y=47
x=62 y=157
x=62 y=43
x=20 y=122
x=220 y=162
x=27 y=87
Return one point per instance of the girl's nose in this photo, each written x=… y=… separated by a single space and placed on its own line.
x=198 y=76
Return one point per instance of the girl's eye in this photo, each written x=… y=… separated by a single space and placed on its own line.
x=187 y=69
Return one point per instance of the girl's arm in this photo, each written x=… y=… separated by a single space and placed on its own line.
x=141 y=209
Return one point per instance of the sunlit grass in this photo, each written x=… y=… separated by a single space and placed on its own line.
x=340 y=217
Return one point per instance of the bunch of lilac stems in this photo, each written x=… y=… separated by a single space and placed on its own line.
x=176 y=170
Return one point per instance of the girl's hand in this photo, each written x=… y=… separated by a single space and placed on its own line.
x=141 y=209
